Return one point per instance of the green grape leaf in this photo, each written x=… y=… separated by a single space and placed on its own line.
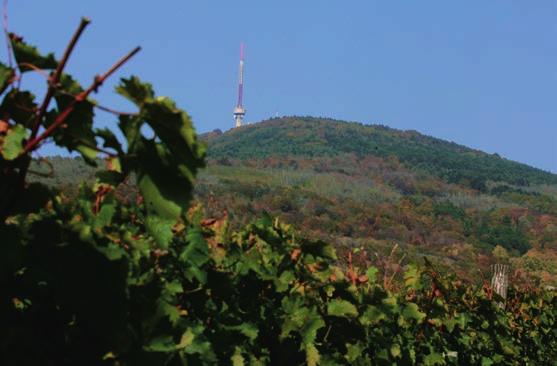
x=390 y=304
x=450 y=324
x=194 y=342
x=112 y=252
x=106 y=213
x=166 y=169
x=110 y=139
x=195 y=254
x=175 y=130
x=247 y=329
x=283 y=282
x=354 y=351
x=395 y=350
x=135 y=91
x=412 y=311
x=131 y=128
x=13 y=142
x=77 y=133
x=434 y=359
x=309 y=331
x=160 y=229
x=341 y=308
x=19 y=106
x=196 y=251
x=165 y=195
x=371 y=274
x=298 y=317
x=319 y=249
x=237 y=358
x=383 y=354
x=411 y=276
x=170 y=312
x=486 y=361
x=186 y=339
x=173 y=288
x=28 y=56
x=372 y=315
x=312 y=355
x=507 y=347
x=163 y=343
x=6 y=77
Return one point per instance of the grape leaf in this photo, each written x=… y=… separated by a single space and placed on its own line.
x=28 y=56
x=341 y=308
x=13 y=142
x=6 y=77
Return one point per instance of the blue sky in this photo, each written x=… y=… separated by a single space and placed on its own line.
x=480 y=73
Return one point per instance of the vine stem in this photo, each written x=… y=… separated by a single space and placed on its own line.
x=55 y=78
x=6 y=33
x=113 y=111
x=38 y=70
x=101 y=107
x=61 y=118
x=52 y=82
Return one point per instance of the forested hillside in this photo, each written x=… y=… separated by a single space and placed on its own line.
x=375 y=188
x=315 y=137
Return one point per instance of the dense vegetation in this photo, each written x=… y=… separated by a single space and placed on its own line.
x=311 y=137
x=144 y=279
x=372 y=186
x=368 y=201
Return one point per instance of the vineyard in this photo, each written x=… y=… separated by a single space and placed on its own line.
x=108 y=278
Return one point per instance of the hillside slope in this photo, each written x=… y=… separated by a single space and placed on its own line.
x=314 y=137
x=376 y=188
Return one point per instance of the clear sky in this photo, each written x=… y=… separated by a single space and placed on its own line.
x=480 y=73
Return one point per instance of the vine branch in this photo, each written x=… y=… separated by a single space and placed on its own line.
x=114 y=111
x=55 y=78
x=40 y=71
x=61 y=118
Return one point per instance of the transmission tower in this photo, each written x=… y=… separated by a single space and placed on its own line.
x=239 y=111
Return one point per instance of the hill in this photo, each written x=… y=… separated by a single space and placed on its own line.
x=314 y=137
x=377 y=188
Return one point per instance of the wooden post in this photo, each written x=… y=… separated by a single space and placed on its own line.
x=500 y=280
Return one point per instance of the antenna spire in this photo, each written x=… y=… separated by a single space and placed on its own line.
x=239 y=111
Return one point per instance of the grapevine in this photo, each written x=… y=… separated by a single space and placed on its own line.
x=96 y=280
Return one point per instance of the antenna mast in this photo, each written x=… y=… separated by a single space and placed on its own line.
x=239 y=111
